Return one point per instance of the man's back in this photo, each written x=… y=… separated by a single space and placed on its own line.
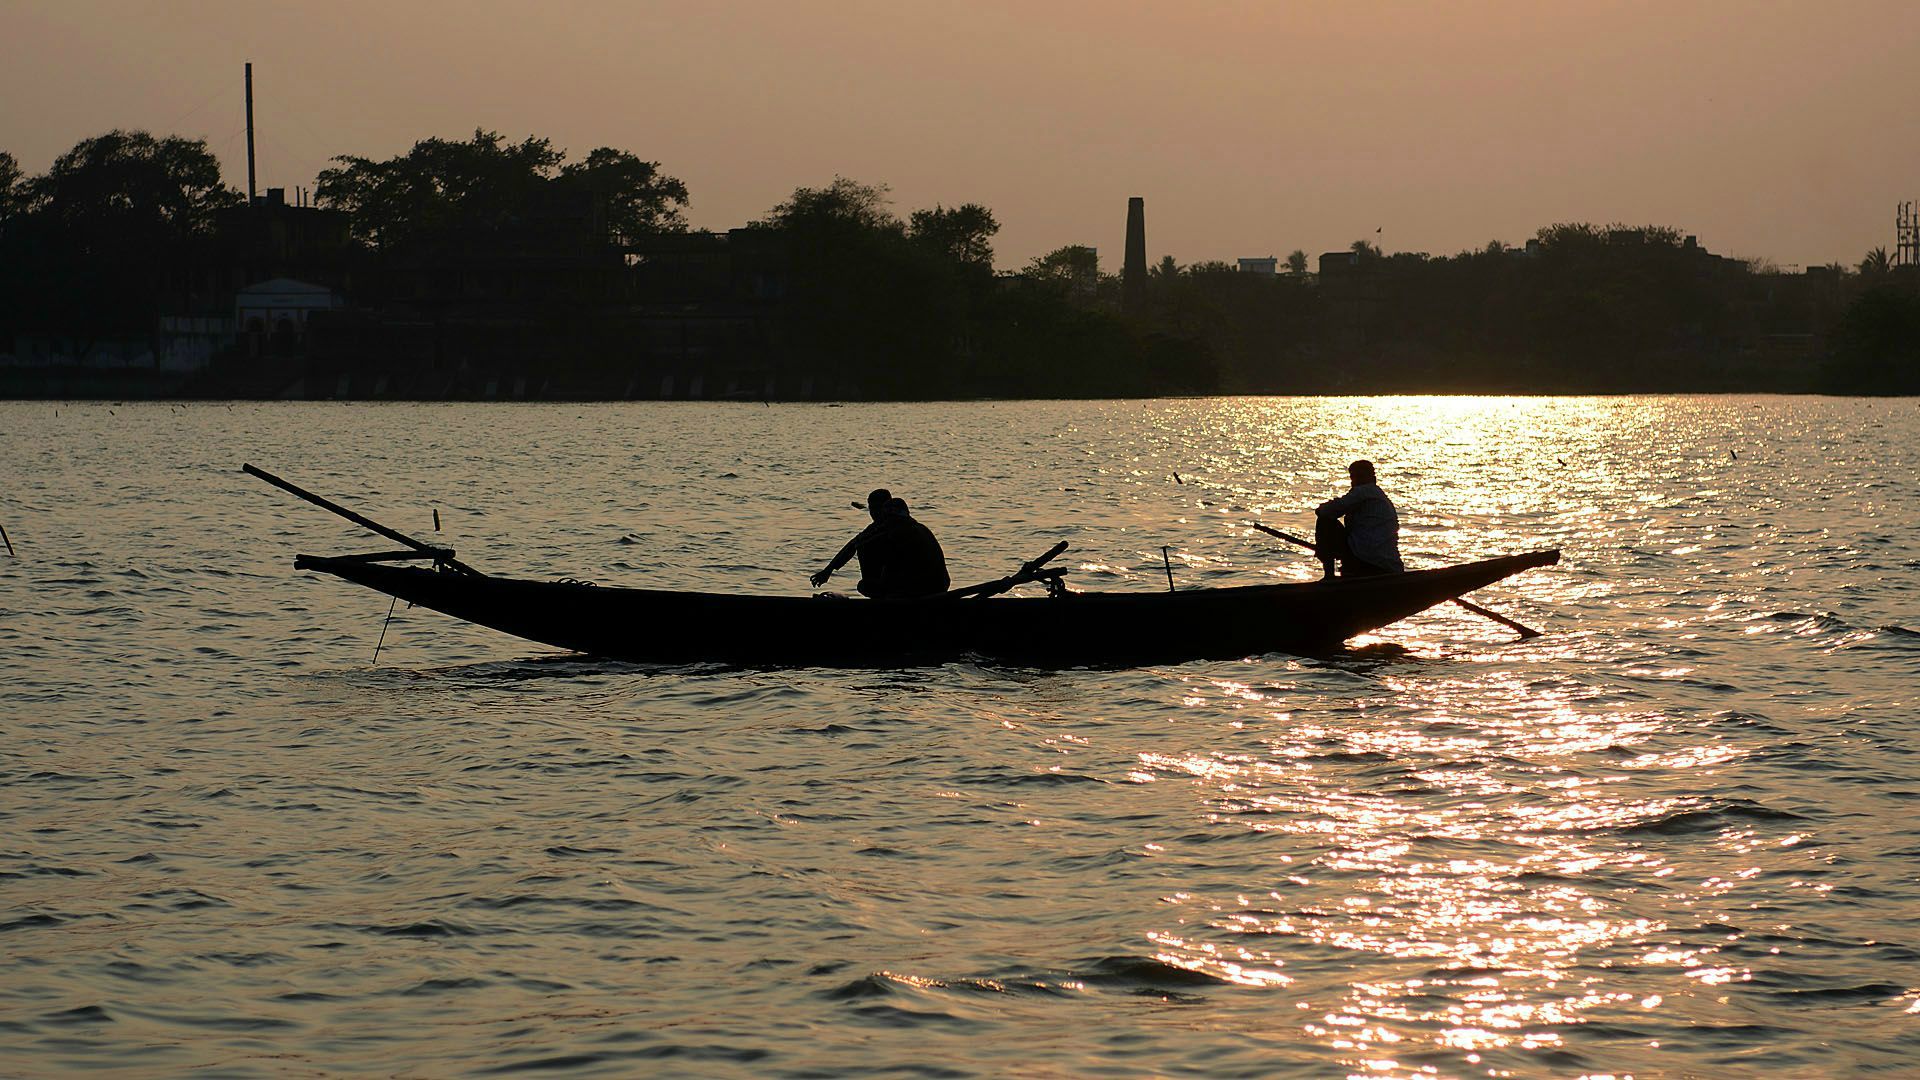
x=1373 y=525
x=901 y=558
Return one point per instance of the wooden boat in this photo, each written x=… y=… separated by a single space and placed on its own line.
x=1066 y=628
x=1061 y=628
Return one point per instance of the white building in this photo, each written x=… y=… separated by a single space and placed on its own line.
x=273 y=314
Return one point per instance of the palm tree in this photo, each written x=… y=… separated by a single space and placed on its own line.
x=1876 y=264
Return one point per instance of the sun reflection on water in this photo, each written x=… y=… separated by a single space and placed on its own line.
x=1473 y=845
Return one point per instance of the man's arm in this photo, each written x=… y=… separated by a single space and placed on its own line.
x=848 y=552
x=1340 y=506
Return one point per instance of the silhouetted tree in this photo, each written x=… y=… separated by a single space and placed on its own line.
x=1296 y=262
x=88 y=244
x=845 y=207
x=127 y=188
x=1075 y=266
x=9 y=179
x=1365 y=249
x=639 y=199
x=864 y=299
x=12 y=260
x=487 y=184
x=1876 y=265
x=963 y=234
x=438 y=184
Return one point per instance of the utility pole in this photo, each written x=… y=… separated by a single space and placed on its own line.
x=250 y=188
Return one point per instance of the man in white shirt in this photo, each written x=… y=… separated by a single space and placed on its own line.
x=1369 y=542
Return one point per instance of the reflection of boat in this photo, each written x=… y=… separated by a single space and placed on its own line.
x=1063 y=628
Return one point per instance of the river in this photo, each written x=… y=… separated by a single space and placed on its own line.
x=1676 y=836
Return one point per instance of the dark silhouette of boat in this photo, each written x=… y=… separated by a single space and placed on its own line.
x=1064 y=628
x=1061 y=628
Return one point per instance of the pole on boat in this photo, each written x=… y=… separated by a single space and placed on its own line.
x=3 y=536
x=1524 y=631
x=1168 y=563
x=440 y=554
x=383 y=631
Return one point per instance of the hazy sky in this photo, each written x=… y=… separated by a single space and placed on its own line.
x=1780 y=130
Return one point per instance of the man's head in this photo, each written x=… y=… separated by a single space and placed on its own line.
x=1361 y=472
x=877 y=501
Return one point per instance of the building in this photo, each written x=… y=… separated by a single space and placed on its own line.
x=271 y=316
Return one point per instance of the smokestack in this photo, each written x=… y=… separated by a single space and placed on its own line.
x=250 y=192
x=1133 y=276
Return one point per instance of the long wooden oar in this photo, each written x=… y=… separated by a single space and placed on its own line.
x=1525 y=632
x=1029 y=571
x=441 y=555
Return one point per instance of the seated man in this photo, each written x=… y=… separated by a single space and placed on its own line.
x=1369 y=542
x=899 y=557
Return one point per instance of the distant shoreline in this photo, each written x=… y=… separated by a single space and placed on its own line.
x=97 y=384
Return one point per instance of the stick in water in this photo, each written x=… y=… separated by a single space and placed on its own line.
x=383 y=631
x=3 y=536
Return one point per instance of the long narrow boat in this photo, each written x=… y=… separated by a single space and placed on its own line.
x=1063 y=628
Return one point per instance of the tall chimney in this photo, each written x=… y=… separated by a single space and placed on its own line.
x=1133 y=276
x=250 y=191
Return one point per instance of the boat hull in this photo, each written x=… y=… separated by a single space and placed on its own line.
x=1079 y=628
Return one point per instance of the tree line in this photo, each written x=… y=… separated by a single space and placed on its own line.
x=912 y=305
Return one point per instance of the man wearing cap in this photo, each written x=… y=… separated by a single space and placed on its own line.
x=1369 y=541
x=899 y=557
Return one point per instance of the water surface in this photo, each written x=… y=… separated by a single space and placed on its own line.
x=1675 y=837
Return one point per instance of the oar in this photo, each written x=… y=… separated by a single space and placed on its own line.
x=439 y=554
x=1029 y=571
x=1525 y=632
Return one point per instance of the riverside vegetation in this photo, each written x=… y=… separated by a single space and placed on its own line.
x=584 y=275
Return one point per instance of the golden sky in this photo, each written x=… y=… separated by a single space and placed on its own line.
x=1787 y=131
